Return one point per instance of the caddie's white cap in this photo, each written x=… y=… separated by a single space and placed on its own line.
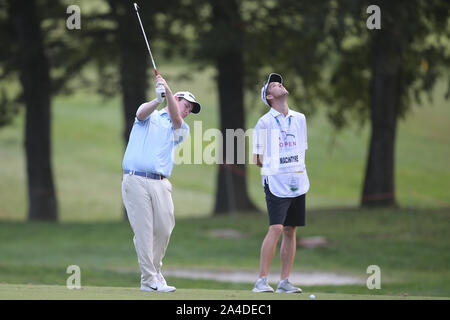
x=189 y=97
x=273 y=77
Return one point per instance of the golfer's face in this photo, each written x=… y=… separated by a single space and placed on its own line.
x=185 y=107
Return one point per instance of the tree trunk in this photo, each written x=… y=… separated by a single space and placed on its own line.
x=134 y=61
x=385 y=94
x=35 y=79
x=231 y=191
x=133 y=64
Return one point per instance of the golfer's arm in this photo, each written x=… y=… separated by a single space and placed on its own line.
x=146 y=109
x=172 y=106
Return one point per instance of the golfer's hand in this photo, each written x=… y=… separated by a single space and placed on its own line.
x=160 y=89
x=160 y=93
x=161 y=80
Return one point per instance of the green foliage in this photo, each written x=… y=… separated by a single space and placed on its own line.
x=325 y=51
x=421 y=31
x=7 y=109
x=323 y=48
x=88 y=150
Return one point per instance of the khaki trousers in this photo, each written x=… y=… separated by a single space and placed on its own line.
x=151 y=215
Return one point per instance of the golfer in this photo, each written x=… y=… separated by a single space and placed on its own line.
x=147 y=165
x=280 y=142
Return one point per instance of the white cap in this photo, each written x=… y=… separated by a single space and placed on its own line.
x=273 y=77
x=189 y=97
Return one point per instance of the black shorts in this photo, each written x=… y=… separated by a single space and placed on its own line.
x=285 y=211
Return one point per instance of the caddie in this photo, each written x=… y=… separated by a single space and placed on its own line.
x=279 y=146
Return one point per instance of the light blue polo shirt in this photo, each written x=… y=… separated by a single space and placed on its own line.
x=152 y=144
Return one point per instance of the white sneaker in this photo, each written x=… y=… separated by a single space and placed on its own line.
x=262 y=285
x=157 y=287
x=148 y=288
x=284 y=286
x=165 y=288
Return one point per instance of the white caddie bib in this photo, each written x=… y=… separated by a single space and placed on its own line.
x=287 y=151
x=283 y=146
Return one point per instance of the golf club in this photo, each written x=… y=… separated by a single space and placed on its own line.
x=145 y=37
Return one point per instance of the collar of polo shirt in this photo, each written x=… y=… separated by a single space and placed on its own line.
x=275 y=113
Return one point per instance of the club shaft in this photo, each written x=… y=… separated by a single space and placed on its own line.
x=146 y=41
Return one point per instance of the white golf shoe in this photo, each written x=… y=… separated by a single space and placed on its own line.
x=262 y=285
x=284 y=286
x=157 y=286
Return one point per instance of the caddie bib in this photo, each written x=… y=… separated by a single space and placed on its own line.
x=291 y=156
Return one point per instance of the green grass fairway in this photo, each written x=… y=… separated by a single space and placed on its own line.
x=43 y=292
x=411 y=248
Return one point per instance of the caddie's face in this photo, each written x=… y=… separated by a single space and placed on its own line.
x=185 y=107
x=276 y=89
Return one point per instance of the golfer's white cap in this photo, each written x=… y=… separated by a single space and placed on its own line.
x=273 y=77
x=191 y=98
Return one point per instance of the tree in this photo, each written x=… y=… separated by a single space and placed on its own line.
x=33 y=67
x=396 y=65
x=386 y=90
x=386 y=69
x=329 y=54
x=231 y=190
x=130 y=51
x=133 y=59
x=7 y=109
x=242 y=40
x=31 y=49
x=220 y=41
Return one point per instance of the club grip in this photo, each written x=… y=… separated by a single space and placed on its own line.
x=163 y=94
